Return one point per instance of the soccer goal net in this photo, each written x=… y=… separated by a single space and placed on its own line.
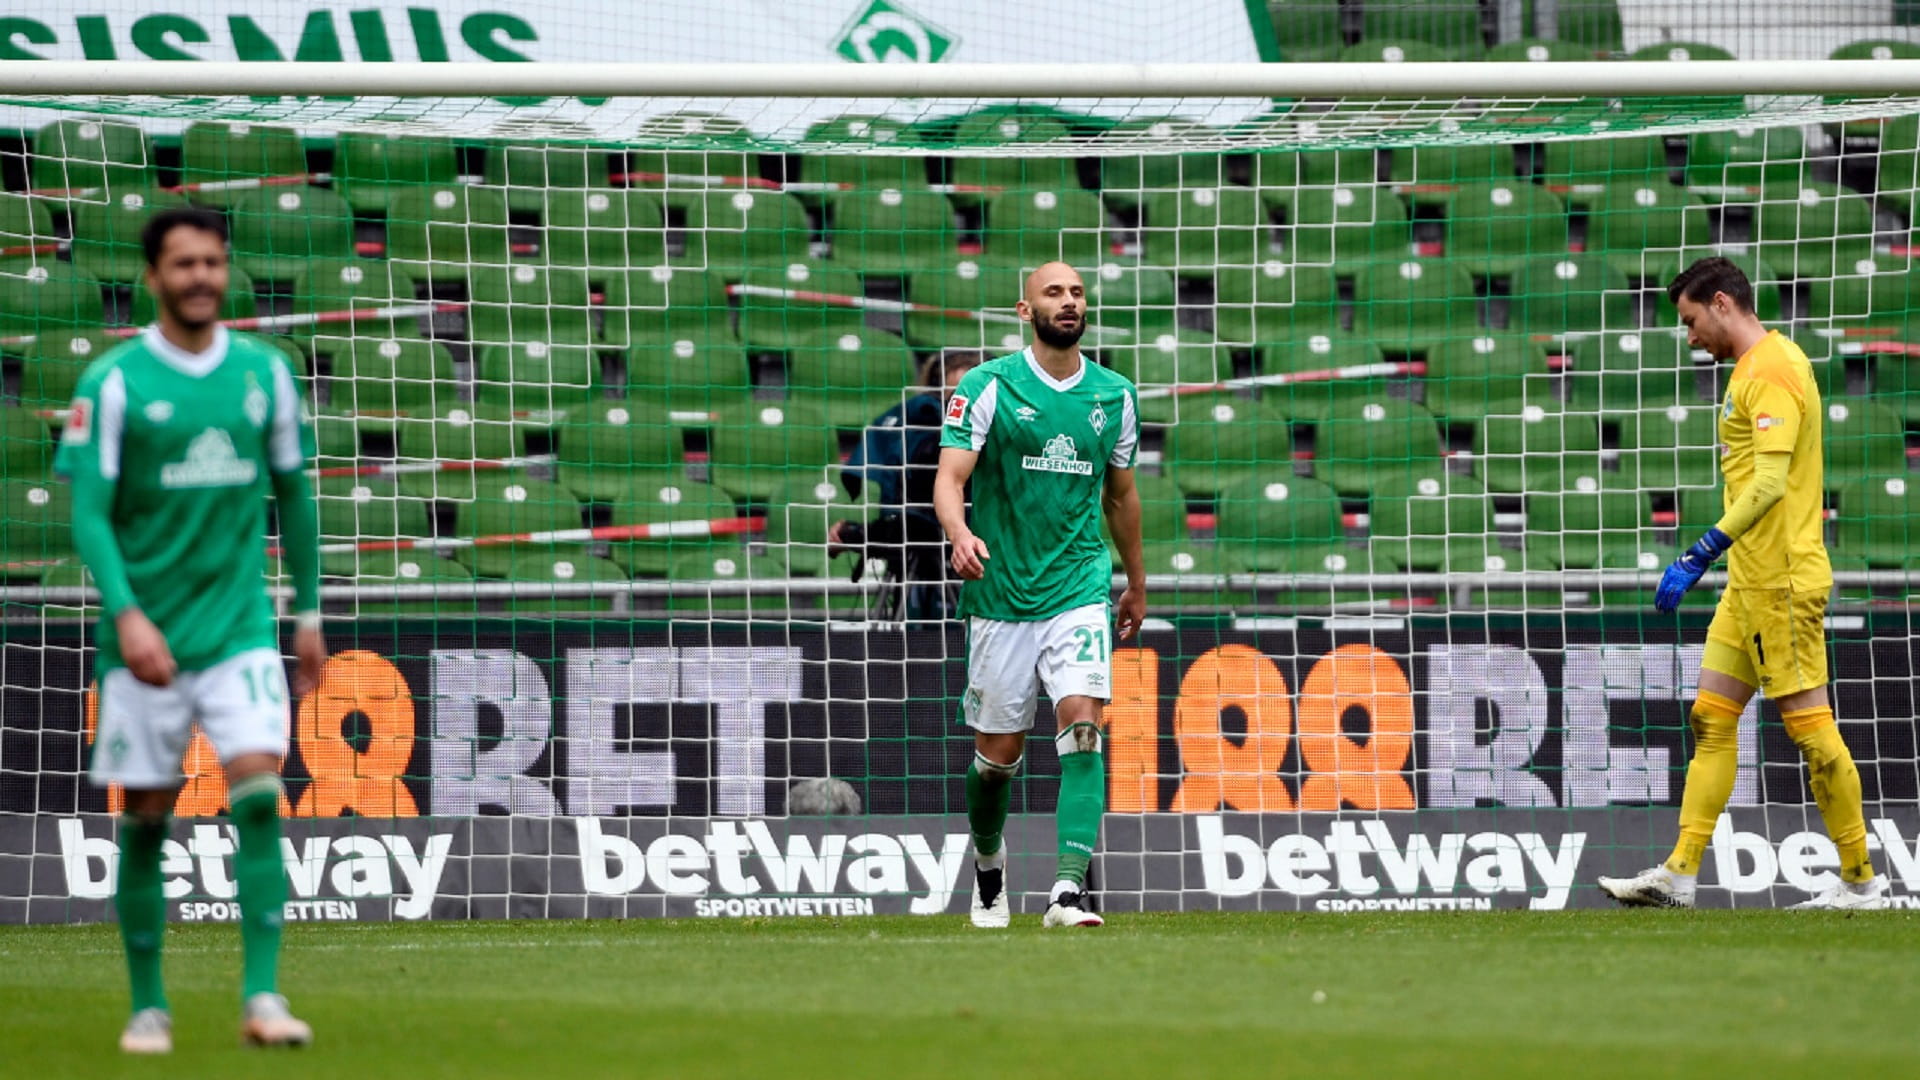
x=627 y=389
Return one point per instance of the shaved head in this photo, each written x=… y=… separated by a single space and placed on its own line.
x=1055 y=302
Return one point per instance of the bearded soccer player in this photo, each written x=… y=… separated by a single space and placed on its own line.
x=1767 y=631
x=174 y=440
x=1048 y=440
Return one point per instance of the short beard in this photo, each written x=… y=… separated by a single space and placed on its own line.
x=1048 y=331
x=180 y=319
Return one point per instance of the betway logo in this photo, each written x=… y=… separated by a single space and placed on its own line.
x=1748 y=862
x=353 y=866
x=742 y=859
x=1363 y=859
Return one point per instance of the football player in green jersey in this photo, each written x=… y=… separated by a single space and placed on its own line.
x=174 y=440
x=1048 y=441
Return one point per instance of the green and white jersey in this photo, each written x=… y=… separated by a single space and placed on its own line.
x=186 y=444
x=1045 y=446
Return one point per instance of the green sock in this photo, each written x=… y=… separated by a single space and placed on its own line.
x=261 y=880
x=989 y=790
x=142 y=903
x=1083 y=799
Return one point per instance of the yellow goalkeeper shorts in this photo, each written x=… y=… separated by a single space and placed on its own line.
x=1774 y=639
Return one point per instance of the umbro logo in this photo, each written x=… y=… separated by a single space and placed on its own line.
x=159 y=411
x=1026 y=412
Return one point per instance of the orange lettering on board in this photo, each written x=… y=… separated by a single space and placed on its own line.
x=365 y=781
x=1245 y=777
x=1133 y=733
x=1367 y=776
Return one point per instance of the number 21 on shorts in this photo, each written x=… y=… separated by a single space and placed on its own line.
x=1093 y=644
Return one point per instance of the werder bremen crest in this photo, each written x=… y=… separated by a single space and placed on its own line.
x=1058 y=456
x=256 y=403
x=1098 y=418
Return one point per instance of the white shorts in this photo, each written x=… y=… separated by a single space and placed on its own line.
x=240 y=702
x=1007 y=662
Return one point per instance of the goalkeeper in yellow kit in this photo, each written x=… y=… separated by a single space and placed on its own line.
x=1767 y=631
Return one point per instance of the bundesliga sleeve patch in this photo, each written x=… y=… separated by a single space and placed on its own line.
x=957 y=411
x=79 y=423
x=1762 y=422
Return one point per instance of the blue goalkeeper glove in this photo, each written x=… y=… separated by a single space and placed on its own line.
x=1686 y=570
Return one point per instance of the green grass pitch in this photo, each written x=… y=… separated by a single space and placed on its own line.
x=1618 y=993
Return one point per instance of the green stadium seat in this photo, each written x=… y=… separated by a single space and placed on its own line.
x=558 y=570
x=1810 y=229
x=967 y=286
x=26 y=450
x=241 y=302
x=1396 y=51
x=1496 y=558
x=1537 y=450
x=1342 y=224
x=893 y=231
x=328 y=285
x=1665 y=449
x=694 y=374
x=526 y=172
x=1127 y=303
x=850 y=376
x=1367 y=436
x=656 y=302
x=1273 y=301
x=753 y=455
x=106 y=232
x=855 y=171
x=36 y=525
x=526 y=302
x=730 y=231
x=460 y=433
x=978 y=177
x=54 y=363
x=1875 y=296
x=356 y=511
x=1560 y=294
x=436 y=232
x=1680 y=52
x=1197 y=230
x=1453 y=25
x=798 y=517
x=1494 y=227
x=780 y=323
x=370 y=168
x=697 y=580
x=538 y=376
x=1185 y=565
x=1181 y=358
x=1416 y=518
x=603 y=231
x=1279 y=523
x=1467 y=378
x=1412 y=303
x=685 y=167
x=512 y=505
x=1163 y=509
x=41 y=295
x=1879 y=521
x=1126 y=181
x=1310 y=399
x=1641 y=227
x=1029 y=227
x=25 y=222
x=1745 y=158
x=214 y=152
x=1234 y=440
x=1898 y=173
x=400 y=375
x=1611 y=373
x=1863 y=438
x=601 y=446
x=1593 y=23
x=1767 y=284
x=1308 y=31
x=1872 y=49
x=1592 y=168
x=78 y=153
x=447 y=580
x=1539 y=51
x=277 y=231
x=1896 y=381
x=1442 y=168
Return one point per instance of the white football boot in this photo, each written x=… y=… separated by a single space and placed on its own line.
x=1069 y=908
x=1866 y=896
x=1653 y=887
x=989 y=910
x=149 y=1031
x=268 y=1022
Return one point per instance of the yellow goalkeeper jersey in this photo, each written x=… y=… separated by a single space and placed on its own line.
x=1773 y=406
